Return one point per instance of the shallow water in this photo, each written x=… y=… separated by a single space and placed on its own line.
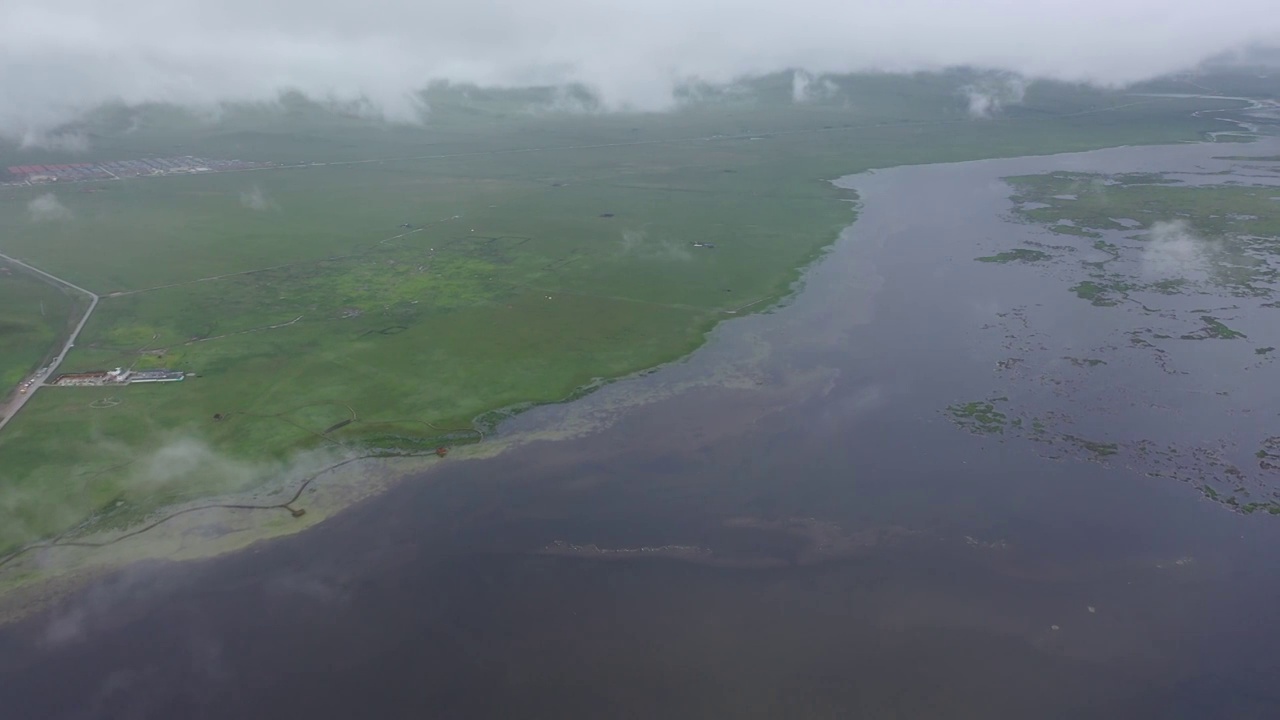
x=784 y=524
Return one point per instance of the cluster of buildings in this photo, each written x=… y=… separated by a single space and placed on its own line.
x=118 y=376
x=78 y=172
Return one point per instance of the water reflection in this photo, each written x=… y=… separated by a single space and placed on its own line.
x=784 y=524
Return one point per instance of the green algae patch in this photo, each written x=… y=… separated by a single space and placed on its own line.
x=1099 y=450
x=1099 y=294
x=1018 y=255
x=1269 y=454
x=980 y=417
x=1214 y=329
x=1173 y=286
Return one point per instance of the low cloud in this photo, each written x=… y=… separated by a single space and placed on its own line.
x=63 y=58
x=74 y=622
x=47 y=208
x=187 y=461
x=807 y=88
x=255 y=199
x=563 y=99
x=642 y=244
x=1173 y=251
x=146 y=479
x=181 y=459
x=988 y=97
x=66 y=141
x=633 y=240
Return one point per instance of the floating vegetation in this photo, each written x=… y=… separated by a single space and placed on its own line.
x=1213 y=329
x=1109 y=248
x=1098 y=294
x=1170 y=287
x=1141 y=239
x=980 y=417
x=1017 y=255
x=1269 y=454
x=1098 y=449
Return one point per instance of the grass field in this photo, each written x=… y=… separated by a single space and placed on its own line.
x=33 y=314
x=546 y=250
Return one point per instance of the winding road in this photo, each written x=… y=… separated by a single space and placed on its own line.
x=20 y=399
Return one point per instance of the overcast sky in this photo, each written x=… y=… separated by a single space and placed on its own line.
x=59 y=57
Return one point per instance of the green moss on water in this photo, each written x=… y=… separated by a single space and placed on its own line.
x=1088 y=290
x=1239 y=224
x=1109 y=248
x=1018 y=255
x=1099 y=294
x=1263 y=350
x=1214 y=329
x=1170 y=287
x=1098 y=449
x=979 y=417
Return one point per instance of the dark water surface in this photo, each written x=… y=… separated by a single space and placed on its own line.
x=797 y=532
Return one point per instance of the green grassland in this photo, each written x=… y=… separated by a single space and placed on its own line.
x=547 y=251
x=33 y=314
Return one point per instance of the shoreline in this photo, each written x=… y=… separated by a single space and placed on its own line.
x=212 y=528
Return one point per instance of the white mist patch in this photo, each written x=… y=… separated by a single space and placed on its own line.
x=180 y=461
x=47 y=208
x=644 y=245
x=566 y=100
x=63 y=58
x=633 y=240
x=807 y=88
x=74 y=622
x=69 y=142
x=255 y=199
x=1173 y=251
x=989 y=97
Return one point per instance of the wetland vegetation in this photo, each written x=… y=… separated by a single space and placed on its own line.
x=386 y=288
x=1016 y=255
x=1165 y=258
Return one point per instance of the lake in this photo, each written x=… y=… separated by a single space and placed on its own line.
x=787 y=523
